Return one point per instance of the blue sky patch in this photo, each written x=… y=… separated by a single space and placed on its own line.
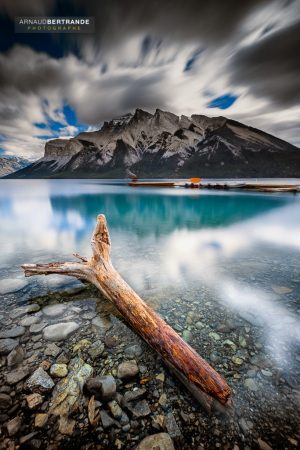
x=223 y=102
x=191 y=61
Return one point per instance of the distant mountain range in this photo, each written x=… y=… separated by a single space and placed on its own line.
x=11 y=164
x=164 y=145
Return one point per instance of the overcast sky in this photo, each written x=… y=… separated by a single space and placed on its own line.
x=237 y=58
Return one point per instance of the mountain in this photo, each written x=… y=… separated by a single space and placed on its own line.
x=163 y=145
x=10 y=164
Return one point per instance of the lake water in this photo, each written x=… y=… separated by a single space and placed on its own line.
x=197 y=256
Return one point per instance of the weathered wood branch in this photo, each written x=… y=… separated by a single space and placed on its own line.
x=199 y=377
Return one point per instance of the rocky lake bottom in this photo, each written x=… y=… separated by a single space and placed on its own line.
x=75 y=376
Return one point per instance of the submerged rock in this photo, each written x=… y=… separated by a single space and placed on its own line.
x=60 y=331
x=17 y=375
x=12 y=333
x=101 y=324
x=7 y=345
x=15 y=357
x=53 y=311
x=18 y=312
x=9 y=285
x=159 y=441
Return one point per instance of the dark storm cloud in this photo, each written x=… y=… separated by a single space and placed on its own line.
x=271 y=66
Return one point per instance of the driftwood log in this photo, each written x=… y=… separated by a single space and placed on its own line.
x=209 y=388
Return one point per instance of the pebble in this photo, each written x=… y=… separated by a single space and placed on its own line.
x=215 y=336
x=281 y=290
x=159 y=441
x=7 y=345
x=230 y=344
x=83 y=344
x=52 y=350
x=115 y=409
x=133 y=351
x=127 y=369
x=36 y=328
x=12 y=333
x=13 y=426
x=40 y=420
x=187 y=335
x=130 y=396
x=60 y=331
x=104 y=388
x=59 y=370
x=15 y=357
x=17 y=375
x=53 y=311
x=34 y=400
x=101 y=324
x=263 y=445
x=29 y=320
x=172 y=427
x=5 y=401
x=40 y=381
x=106 y=420
x=238 y=361
x=140 y=409
x=250 y=384
x=96 y=349
x=18 y=312
x=8 y=285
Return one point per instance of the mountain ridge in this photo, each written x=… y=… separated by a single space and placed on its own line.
x=164 y=145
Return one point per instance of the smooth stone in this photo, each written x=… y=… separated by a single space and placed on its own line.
x=13 y=332
x=187 y=335
x=281 y=290
x=40 y=420
x=60 y=331
x=237 y=360
x=15 y=357
x=53 y=311
x=9 y=285
x=59 y=370
x=127 y=369
x=159 y=441
x=29 y=320
x=36 y=328
x=40 y=381
x=5 y=401
x=18 y=312
x=251 y=385
x=133 y=351
x=214 y=336
x=140 y=409
x=103 y=387
x=52 y=350
x=101 y=324
x=266 y=373
x=13 y=426
x=34 y=400
x=229 y=343
x=17 y=375
x=130 y=396
x=7 y=345
x=199 y=325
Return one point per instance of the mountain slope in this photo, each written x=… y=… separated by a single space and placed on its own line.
x=165 y=145
x=11 y=164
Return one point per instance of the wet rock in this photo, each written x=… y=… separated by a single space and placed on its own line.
x=68 y=391
x=115 y=409
x=106 y=420
x=199 y=325
x=53 y=311
x=133 y=351
x=12 y=333
x=171 y=426
x=7 y=345
x=263 y=445
x=266 y=373
x=140 y=409
x=104 y=388
x=159 y=441
x=101 y=324
x=15 y=357
x=187 y=335
x=160 y=377
x=96 y=349
x=245 y=425
x=52 y=350
x=252 y=318
x=130 y=396
x=36 y=328
x=127 y=370
x=163 y=400
x=17 y=375
x=229 y=343
x=237 y=360
x=281 y=290
x=29 y=320
x=40 y=381
x=34 y=400
x=60 y=331
x=214 y=336
x=83 y=344
x=9 y=285
x=27 y=438
x=5 y=401
x=18 y=312
x=59 y=370
x=251 y=385
x=14 y=426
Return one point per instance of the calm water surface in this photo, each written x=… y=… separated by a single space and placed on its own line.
x=236 y=249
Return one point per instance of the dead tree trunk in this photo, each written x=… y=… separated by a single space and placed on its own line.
x=199 y=377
